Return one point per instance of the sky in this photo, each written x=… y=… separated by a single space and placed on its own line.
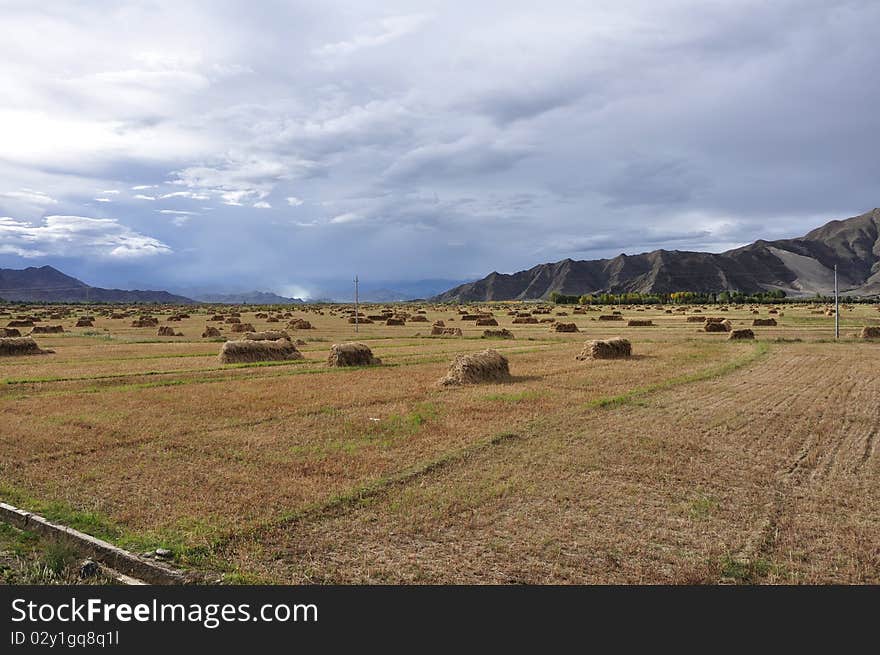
x=287 y=146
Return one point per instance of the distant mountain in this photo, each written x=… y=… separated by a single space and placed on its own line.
x=800 y=267
x=382 y=290
x=248 y=298
x=47 y=284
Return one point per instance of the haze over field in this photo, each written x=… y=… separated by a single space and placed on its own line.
x=284 y=147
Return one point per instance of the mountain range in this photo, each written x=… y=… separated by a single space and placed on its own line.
x=800 y=267
x=47 y=284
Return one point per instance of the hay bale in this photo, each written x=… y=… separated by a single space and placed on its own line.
x=564 y=327
x=352 y=354
x=420 y=318
x=481 y=322
x=436 y=330
x=85 y=322
x=606 y=349
x=473 y=368
x=695 y=319
x=167 y=331
x=439 y=323
x=521 y=320
x=611 y=317
x=395 y=321
x=211 y=333
x=268 y=335
x=15 y=346
x=453 y=331
x=503 y=333
x=637 y=322
x=145 y=322
x=745 y=333
x=298 y=324
x=764 y=322
x=237 y=352
x=9 y=332
x=20 y=323
x=717 y=326
x=242 y=327
x=47 y=329
x=870 y=332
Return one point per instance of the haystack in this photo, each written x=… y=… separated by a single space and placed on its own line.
x=166 y=331
x=764 y=321
x=520 y=320
x=352 y=354
x=211 y=333
x=235 y=352
x=606 y=349
x=503 y=333
x=85 y=322
x=395 y=321
x=453 y=331
x=695 y=319
x=610 y=317
x=242 y=327
x=482 y=322
x=145 y=321
x=297 y=324
x=14 y=346
x=745 y=333
x=473 y=368
x=638 y=322
x=20 y=323
x=47 y=329
x=717 y=326
x=436 y=330
x=439 y=323
x=870 y=332
x=564 y=327
x=9 y=332
x=420 y=318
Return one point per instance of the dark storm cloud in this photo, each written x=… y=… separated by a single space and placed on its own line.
x=307 y=141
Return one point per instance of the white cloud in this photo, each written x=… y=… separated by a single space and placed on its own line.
x=262 y=205
x=110 y=192
x=30 y=196
x=380 y=33
x=141 y=196
x=72 y=236
x=177 y=212
x=186 y=194
x=347 y=217
x=293 y=201
x=144 y=187
x=103 y=200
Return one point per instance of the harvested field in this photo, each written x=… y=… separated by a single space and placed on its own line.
x=293 y=471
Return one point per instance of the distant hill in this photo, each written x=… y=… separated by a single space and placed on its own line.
x=799 y=267
x=47 y=284
x=248 y=298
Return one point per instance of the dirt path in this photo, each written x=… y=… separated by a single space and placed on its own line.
x=769 y=474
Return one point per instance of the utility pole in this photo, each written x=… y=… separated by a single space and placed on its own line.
x=356 y=317
x=836 y=307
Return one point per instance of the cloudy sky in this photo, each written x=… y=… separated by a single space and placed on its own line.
x=285 y=145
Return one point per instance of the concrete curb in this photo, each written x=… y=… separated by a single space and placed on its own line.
x=100 y=551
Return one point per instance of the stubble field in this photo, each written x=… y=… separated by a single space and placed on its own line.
x=697 y=460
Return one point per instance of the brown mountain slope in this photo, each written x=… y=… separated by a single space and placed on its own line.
x=802 y=266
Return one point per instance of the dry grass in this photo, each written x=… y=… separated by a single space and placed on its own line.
x=607 y=485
